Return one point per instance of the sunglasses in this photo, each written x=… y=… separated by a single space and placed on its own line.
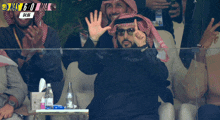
x=121 y=32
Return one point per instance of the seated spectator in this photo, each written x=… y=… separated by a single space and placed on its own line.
x=2 y=22
x=202 y=79
x=170 y=12
x=197 y=17
x=197 y=21
x=33 y=64
x=13 y=90
x=110 y=10
x=129 y=80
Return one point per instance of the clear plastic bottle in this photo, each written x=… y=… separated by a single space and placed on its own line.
x=49 y=97
x=70 y=97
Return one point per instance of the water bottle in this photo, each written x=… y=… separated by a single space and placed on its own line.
x=70 y=97
x=49 y=97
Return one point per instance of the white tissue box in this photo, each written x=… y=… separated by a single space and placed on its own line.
x=36 y=100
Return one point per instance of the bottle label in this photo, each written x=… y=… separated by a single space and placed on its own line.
x=49 y=101
x=42 y=105
x=69 y=104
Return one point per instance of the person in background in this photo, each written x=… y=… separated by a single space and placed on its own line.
x=197 y=20
x=170 y=12
x=202 y=79
x=13 y=90
x=33 y=64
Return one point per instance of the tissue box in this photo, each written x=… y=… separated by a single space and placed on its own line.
x=36 y=100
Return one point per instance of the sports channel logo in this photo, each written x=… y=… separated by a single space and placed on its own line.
x=27 y=9
x=30 y=7
x=26 y=15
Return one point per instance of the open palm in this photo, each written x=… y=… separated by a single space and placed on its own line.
x=95 y=29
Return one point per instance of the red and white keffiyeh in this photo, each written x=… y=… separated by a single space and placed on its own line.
x=38 y=18
x=146 y=26
x=132 y=8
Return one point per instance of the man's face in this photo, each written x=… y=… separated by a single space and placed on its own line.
x=125 y=36
x=114 y=9
x=22 y=23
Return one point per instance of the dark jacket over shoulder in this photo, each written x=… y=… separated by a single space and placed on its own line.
x=70 y=54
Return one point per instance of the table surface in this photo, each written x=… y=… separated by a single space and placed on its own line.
x=62 y=112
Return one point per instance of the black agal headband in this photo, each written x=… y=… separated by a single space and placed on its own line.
x=127 y=20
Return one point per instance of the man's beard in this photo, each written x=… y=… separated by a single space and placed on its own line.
x=120 y=46
x=24 y=26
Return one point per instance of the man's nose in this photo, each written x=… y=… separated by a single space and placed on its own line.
x=113 y=9
x=125 y=35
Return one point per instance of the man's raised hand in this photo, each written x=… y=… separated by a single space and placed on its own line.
x=94 y=26
x=6 y=112
x=139 y=36
x=157 y=4
x=210 y=34
x=176 y=11
x=35 y=35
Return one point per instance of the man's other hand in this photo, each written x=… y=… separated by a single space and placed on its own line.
x=139 y=36
x=6 y=111
x=210 y=34
x=35 y=35
x=157 y=4
x=95 y=29
x=175 y=12
x=32 y=39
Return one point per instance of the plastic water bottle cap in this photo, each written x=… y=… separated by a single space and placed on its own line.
x=48 y=85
